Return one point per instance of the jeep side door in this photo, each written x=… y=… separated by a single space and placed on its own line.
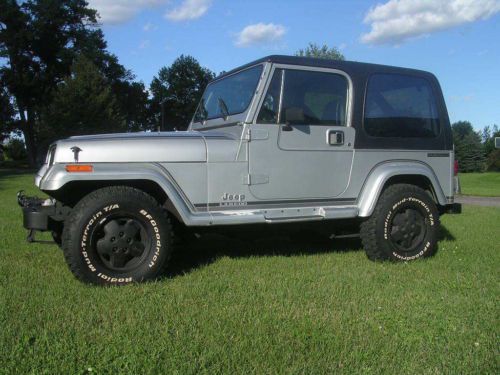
x=301 y=144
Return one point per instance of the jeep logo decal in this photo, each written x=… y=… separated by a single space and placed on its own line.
x=233 y=197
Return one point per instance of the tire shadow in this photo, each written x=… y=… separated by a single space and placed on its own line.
x=445 y=234
x=199 y=252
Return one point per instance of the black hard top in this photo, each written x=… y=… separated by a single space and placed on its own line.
x=352 y=67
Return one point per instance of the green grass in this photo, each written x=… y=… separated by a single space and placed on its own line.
x=481 y=184
x=272 y=307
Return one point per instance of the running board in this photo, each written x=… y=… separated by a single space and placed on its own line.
x=275 y=215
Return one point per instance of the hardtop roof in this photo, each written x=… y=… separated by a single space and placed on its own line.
x=350 y=67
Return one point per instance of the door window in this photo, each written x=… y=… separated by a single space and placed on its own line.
x=309 y=98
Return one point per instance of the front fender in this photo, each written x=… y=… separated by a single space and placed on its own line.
x=381 y=173
x=56 y=177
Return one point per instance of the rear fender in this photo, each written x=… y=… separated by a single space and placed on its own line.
x=380 y=174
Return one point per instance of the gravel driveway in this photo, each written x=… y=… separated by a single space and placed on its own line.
x=478 y=201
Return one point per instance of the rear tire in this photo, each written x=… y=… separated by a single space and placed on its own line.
x=117 y=235
x=404 y=225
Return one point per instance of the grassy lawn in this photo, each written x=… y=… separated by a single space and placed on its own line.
x=271 y=307
x=481 y=184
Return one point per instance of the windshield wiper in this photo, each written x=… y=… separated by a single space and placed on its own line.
x=223 y=108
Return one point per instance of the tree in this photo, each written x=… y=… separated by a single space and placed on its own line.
x=324 y=52
x=469 y=151
x=39 y=40
x=180 y=87
x=489 y=134
x=7 y=113
x=83 y=103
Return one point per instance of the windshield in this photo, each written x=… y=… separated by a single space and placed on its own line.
x=228 y=96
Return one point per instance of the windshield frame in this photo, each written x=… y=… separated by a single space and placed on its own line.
x=223 y=77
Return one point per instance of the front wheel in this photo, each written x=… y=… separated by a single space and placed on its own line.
x=404 y=225
x=117 y=235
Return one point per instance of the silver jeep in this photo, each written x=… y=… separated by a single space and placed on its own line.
x=279 y=140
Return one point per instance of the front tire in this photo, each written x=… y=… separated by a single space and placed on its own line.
x=117 y=235
x=404 y=225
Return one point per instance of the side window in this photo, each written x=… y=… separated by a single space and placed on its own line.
x=400 y=106
x=313 y=98
x=270 y=107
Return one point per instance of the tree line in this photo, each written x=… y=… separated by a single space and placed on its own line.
x=475 y=150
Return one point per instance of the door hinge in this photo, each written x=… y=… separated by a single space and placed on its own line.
x=248 y=135
x=255 y=179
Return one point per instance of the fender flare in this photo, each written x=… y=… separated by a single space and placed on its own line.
x=381 y=173
x=56 y=177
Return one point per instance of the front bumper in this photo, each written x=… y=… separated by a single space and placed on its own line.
x=41 y=214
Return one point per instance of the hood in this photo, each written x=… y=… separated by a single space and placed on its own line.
x=184 y=146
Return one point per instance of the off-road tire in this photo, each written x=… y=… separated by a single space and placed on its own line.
x=404 y=215
x=117 y=235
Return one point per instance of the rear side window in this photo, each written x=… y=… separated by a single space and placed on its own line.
x=400 y=106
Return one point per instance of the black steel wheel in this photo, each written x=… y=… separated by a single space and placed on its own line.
x=404 y=225
x=117 y=235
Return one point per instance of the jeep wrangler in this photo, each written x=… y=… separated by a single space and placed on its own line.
x=279 y=140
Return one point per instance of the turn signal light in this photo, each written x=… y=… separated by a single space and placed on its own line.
x=79 y=168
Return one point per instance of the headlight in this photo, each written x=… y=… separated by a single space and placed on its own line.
x=51 y=155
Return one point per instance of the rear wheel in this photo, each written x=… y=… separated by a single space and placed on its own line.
x=117 y=235
x=404 y=225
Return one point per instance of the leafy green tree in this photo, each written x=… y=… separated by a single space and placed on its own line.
x=489 y=134
x=493 y=162
x=7 y=119
x=179 y=87
x=469 y=151
x=15 y=149
x=39 y=40
x=83 y=103
x=323 y=52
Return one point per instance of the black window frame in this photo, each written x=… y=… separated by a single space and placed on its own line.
x=435 y=95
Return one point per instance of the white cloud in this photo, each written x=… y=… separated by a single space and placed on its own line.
x=189 y=10
x=149 y=27
x=119 y=11
x=399 y=20
x=260 y=33
x=144 y=44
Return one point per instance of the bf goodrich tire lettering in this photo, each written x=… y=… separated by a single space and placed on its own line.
x=117 y=235
x=404 y=225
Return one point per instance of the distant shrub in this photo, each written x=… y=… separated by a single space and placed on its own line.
x=15 y=150
x=493 y=162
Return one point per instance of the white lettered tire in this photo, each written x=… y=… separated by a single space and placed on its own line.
x=404 y=225
x=117 y=235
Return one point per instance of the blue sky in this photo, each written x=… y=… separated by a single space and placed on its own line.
x=457 y=40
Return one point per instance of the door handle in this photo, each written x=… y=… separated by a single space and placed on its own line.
x=335 y=137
